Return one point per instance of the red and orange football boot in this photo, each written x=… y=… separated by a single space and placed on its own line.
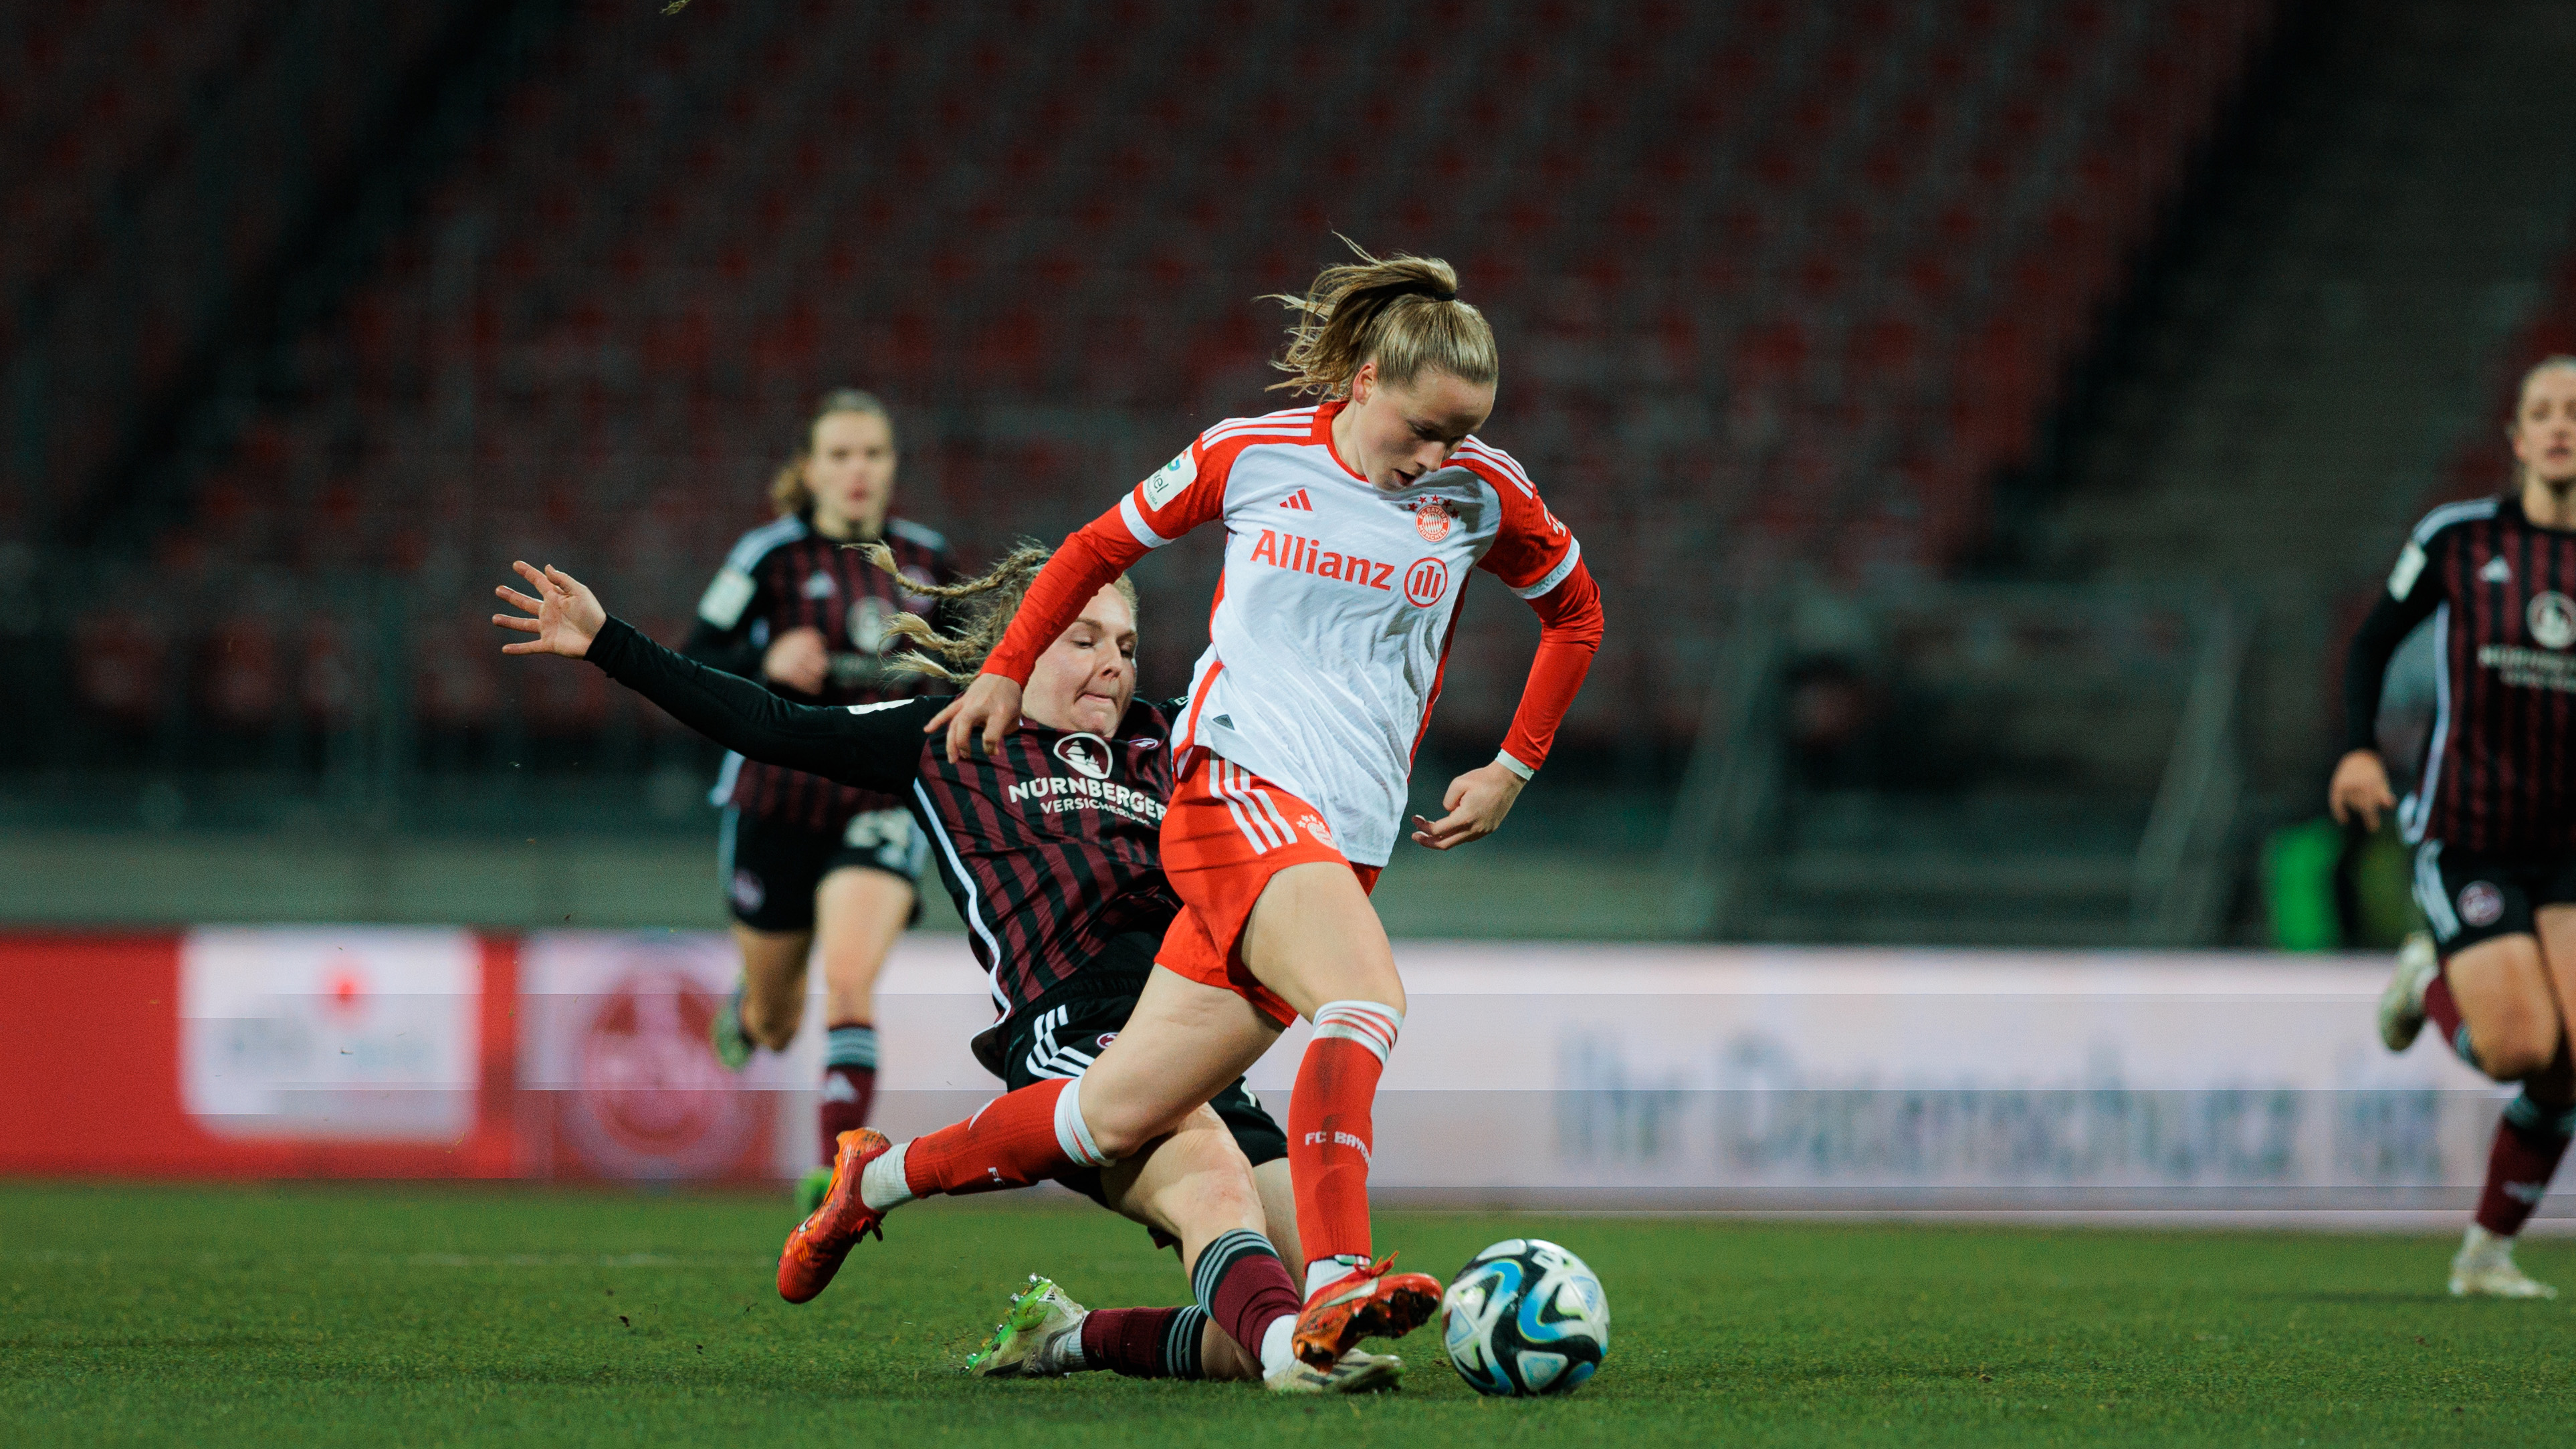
x=815 y=1250
x=1368 y=1302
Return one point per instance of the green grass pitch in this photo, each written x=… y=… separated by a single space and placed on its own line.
x=409 y=1315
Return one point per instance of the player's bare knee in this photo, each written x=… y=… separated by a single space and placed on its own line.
x=2516 y=1048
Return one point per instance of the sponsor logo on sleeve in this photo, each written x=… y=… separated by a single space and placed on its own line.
x=1167 y=483
x=2401 y=580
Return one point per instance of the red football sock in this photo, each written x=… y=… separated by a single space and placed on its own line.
x=1145 y=1343
x=1330 y=1134
x=1241 y=1284
x=2444 y=1013
x=1019 y=1138
x=2529 y=1141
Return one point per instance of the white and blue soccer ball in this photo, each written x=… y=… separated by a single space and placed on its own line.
x=1525 y=1317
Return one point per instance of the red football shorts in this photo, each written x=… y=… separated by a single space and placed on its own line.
x=1228 y=831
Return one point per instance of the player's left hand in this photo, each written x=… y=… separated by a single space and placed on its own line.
x=1476 y=801
x=566 y=615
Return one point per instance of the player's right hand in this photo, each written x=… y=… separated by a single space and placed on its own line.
x=990 y=707
x=799 y=659
x=565 y=616
x=2360 y=789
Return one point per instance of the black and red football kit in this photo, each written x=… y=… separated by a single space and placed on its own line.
x=784 y=830
x=2493 y=815
x=1050 y=848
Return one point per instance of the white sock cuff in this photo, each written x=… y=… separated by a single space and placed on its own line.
x=1369 y=1023
x=882 y=1184
x=1275 y=1344
x=1071 y=1133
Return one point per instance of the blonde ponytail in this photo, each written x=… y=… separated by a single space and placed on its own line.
x=1401 y=312
x=995 y=597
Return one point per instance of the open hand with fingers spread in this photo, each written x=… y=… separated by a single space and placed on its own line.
x=565 y=616
x=1476 y=801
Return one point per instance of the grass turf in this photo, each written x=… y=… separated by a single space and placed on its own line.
x=441 y=1315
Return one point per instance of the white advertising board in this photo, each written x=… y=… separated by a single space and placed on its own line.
x=1796 y=1078
x=344 y=1034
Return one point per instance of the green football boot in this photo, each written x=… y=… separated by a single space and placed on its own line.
x=733 y=1049
x=1029 y=1341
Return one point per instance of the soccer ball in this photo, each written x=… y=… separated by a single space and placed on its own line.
x=1525 y=1317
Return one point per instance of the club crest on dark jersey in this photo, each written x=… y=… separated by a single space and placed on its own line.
x=1087 y=754
x=2552 y=619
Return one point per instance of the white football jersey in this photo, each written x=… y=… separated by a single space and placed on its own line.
x=1338 y=601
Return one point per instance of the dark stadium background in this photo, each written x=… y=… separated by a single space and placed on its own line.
x=1986 y=420
x=1983 y=416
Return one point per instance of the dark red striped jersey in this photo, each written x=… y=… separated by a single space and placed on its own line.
x=784 y=575
x=1051 y=848
x=2499 y=768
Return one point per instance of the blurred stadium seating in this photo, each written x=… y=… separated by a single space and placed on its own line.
x=1827 y=293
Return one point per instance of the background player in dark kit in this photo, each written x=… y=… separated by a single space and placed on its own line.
x=805 y=858
x=1050 y=847
x=2493 y=817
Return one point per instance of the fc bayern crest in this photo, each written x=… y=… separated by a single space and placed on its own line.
x=2552 y=617
x=1431 y=519
x=2481 y=904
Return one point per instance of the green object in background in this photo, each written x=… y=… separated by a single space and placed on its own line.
x=2299 y=885
x=2383 y=891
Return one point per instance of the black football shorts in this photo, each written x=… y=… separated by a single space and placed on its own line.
x=771 y=869
x=2467 y=897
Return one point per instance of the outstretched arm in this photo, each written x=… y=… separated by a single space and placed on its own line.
x=875 y=746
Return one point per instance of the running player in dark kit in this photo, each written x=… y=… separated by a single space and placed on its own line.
x=2494 y=817
x=1050 y=847
x=807 y=860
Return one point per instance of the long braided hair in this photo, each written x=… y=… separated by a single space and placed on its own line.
x=992 y=598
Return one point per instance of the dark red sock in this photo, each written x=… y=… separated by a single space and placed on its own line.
x=2529 y=1141
x=1145 y=1343
x=846 y=1094
x=2444 y=1013
x=1013 y=1142
x=1242 y=1284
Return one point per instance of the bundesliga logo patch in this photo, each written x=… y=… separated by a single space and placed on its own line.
x=2481 y=904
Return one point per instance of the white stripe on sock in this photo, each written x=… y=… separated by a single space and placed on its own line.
x=1073 y=1134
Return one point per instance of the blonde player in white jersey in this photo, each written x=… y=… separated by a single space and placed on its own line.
x=1352 y=527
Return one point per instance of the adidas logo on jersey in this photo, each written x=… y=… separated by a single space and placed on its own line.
x=2497 y=571
x=1298 y=500
x=1303 y=555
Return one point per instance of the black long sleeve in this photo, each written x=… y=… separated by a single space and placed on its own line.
x=730 y=650
x=2365 y=665
x=876 y=747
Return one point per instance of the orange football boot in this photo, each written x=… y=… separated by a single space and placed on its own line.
x=815 y=1250
x=1368 y=1302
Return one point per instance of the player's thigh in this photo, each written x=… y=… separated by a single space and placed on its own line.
x=1313 y=937
x=1183 y=1044
x=1279 y=1212
x=2506 y=997
x=859 y=911
x=2556 y=927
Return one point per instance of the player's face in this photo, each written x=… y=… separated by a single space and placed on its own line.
x=850 y=471
x=1086 y=677
x=1400 y=431
x=2544 y=428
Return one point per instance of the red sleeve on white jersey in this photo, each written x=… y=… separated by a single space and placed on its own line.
x=1181 y=495
x=1532 y=551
